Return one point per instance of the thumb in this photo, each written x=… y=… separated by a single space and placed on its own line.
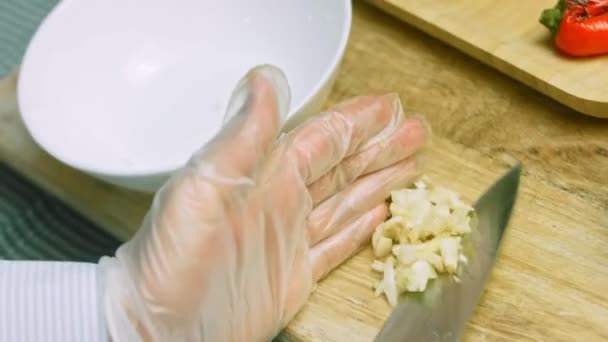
x=258 y=84
x=254 y=116
x=257 y=108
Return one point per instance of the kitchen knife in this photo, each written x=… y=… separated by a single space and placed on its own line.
x=441 y=312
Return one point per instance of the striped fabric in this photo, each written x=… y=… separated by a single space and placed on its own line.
x=37 y=226
x=46 y=300
x=51 y=302
x=43 y=300
x=18 y=22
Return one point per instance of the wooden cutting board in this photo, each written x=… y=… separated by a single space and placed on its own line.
x=507 y=36
x=550 y=281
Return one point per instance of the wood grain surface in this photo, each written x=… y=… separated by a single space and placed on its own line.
x=551 y=279
x=508 y=36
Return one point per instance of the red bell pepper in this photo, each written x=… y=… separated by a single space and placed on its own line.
x=579 y=27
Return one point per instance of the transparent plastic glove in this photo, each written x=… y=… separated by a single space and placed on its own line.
x=235 y=240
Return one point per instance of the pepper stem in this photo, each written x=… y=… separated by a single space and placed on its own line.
x=551 y=18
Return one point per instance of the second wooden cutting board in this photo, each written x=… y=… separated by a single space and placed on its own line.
x=507 y=36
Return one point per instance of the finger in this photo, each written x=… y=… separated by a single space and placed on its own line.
x=321 y=143
x=408 y=139
x=332 y=252
x=252 y=123
x=360 y=197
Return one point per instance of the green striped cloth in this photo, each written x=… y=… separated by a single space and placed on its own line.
x=37 y=226
x=33 y=224
x=19 y=19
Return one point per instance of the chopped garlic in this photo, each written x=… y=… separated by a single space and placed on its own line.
x=406 y=254
x=379 y=289
x=422 y=237
x=450 y=250
x=420 y=184
x=435 y=260
x=388 y=283
x=423 y=271
x=383 y=247
x=378 y=266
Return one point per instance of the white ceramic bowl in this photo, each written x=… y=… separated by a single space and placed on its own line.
x=127 y=90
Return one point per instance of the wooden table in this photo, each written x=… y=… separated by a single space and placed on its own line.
x=551 y=280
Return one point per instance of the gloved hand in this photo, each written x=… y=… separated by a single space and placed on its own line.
x=235 y=240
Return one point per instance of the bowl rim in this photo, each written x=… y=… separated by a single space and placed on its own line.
x=115 y=171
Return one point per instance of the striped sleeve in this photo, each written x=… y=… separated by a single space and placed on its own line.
x=50 y=301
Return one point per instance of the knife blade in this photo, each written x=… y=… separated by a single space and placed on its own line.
x=441 y=312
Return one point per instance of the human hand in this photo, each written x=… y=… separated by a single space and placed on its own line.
x=235 y=240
